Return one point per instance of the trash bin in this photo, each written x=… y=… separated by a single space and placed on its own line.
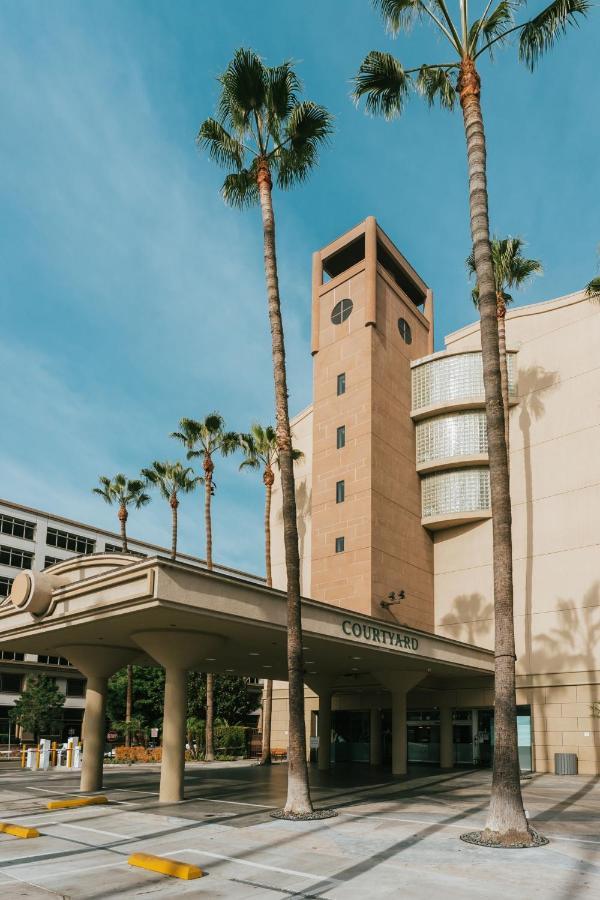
x=565 y=764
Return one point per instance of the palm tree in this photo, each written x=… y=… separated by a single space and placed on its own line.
x=386 y=85
x=124 y=492
x=265 y=131
x=260 y=451
x=511 y=270
x=172 y=479
x=204 y=439
x=592 y=289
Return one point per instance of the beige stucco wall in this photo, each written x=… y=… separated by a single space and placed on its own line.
x=555 y=485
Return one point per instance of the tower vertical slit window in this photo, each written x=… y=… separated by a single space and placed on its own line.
x=340 y=491
x=340 y=440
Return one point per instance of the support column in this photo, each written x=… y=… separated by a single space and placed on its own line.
x=95 y=737
x=446 y=738
x=375 y=737
x=97 y=664
x=324 y=731
x=173 y=736
x=399 y=740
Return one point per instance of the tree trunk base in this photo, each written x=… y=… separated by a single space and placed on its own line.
x=303 y=816
x=265 y=761
x=508 y=840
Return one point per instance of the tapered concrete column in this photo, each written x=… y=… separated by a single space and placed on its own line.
x=97 y=664
x=324 y=730
x=177 y=651
x=446 y=738
x=95 y=725
x=173 y=736
x=375 y=737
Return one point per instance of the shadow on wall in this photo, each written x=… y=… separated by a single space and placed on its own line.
x=303 y=501
x=471 y=620
x=532 y=381
x=575 y=647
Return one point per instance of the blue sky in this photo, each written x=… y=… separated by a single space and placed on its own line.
x=131 y=296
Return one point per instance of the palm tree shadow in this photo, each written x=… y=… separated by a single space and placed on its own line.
x=471 y=618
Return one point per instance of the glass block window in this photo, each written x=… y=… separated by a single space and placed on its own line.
x=340 y=437
x=462 y=490
x=339 y=545
x=13 y=556
x=341 y=384
x=5 y=585
x=451 y=379
x=17 y=527
x=69 y=541
x=458 y=434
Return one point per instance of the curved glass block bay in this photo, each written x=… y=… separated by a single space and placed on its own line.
x=458 y=491
x=453 y=435
x=453 y=379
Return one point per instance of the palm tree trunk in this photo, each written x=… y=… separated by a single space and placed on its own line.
x=208 y=470
x=506 y=816
x=298 y=794
x=129 y=704
x=174 y=502
x=265 y=758
x=501 y=316
x=123 y=524
x=210 y=715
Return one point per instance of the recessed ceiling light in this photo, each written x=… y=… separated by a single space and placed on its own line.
x=355 y=657
x=354 y=669
x=267 y=667
x=230 y=670
x=306 y=649
x=312 y=673
x=254 y=653
x=210 y=658
x=310 y=662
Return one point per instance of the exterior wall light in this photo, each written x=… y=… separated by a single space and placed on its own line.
x=392 y=599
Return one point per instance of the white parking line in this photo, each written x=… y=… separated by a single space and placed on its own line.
x=115 y=834
x=255 y=865
x=230 y=802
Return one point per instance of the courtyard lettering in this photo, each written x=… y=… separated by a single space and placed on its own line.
x=379 y=635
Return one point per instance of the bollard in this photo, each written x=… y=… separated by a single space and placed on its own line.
x=23 y=755
x=53 y=753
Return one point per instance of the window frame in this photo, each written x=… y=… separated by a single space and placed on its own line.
x=340 y=544
x=340 y=491
x=340 y=437
x=342 y=310
x=341 y=384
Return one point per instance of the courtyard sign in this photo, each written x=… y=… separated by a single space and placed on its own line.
x=376 y=635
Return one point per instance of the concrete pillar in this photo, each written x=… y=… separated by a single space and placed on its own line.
x=173 y=736
x=399 y=742
x=95 y=737
x=97 y=663
x=446 y=738
x=324 y=730
x=177 y=651
x=375 y=737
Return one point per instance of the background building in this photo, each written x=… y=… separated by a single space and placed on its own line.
x=32 y=539
x=394 y=495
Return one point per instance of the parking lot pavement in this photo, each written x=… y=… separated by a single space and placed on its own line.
x=391 y=836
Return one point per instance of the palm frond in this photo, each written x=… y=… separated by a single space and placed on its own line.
x=283 y=86
x=399 y=15
x=226 y=150
x=307 y=128
x=592 y=289
x=240 y=189
x=244 y=88
x=493 y=28
x=383 y=81
x=541 y=32
x=438 y=83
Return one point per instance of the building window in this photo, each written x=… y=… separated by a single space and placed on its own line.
x=340 y=437
x=53 y=660
x=51 y=560
x=11 y=655
x=113 y=548
x=76 y=687
x=17 y=527
x=5 y=585
x=68 y=541
x=18 y=559
x=341 y=311
x=10 y=683
x=340 y=491
x=341 y=384
x=339 y=545
x=405 y=332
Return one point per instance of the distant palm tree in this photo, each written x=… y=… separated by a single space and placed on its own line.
x=386 y=84
x=592 y=289
x=511 y=270
x=172 y=479
x=260 y=451
x=204 y=439
x=265 y=131
x=124 y=492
